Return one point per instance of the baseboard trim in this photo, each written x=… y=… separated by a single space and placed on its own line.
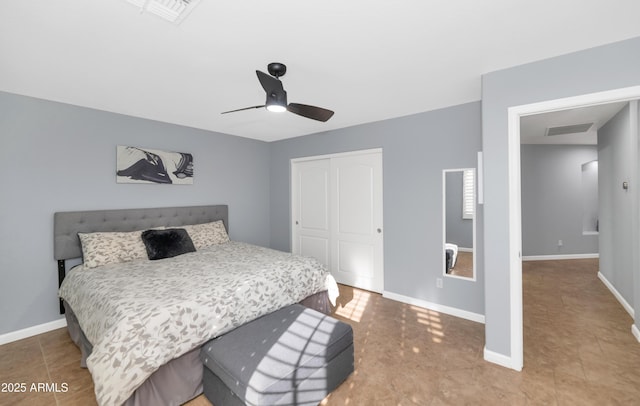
x=452 y=311
x=556 y=257
x=617 y=294
x=32 y=331
x=635 y=332
x=500 y=359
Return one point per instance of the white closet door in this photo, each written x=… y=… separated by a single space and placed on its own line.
x=356 y=229
x=310 y=189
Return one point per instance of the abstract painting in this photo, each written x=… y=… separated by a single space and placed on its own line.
x=141 y=165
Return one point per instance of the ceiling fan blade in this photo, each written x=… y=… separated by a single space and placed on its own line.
x=269 y=83
x=244 y=108
x=312 y=112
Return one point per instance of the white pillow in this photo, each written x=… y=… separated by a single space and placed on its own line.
x=111 y=247
x=207 y=234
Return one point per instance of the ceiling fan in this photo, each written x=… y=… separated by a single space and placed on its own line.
x=277 y=96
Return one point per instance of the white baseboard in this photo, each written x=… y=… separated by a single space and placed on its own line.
x=32 y=331
x=617 y=294
x=635 y=332
x=501 y=359
x=556 y=257
x=452 y=311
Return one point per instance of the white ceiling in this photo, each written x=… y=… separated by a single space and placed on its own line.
x=367 y=60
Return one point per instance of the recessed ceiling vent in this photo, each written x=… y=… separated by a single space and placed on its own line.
x=171 y=10
x=568 y=129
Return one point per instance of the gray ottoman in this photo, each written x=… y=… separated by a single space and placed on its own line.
x=294 y=356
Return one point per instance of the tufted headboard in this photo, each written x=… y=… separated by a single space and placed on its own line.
x=67 y=225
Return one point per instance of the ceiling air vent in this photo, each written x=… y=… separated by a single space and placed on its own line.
x=171 y=10
x=568 y=129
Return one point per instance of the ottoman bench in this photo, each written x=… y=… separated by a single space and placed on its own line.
x=293 y=356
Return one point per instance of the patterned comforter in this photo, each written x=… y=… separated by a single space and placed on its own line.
x=141 y=314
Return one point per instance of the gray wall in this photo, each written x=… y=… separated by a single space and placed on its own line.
x=459 y=230
x=552 y=199
x=603 y=68
x=57 y=157
x=415 y=150
x=616 y=165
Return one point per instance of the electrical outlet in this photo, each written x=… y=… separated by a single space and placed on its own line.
x=439 y=283
x=559 y=243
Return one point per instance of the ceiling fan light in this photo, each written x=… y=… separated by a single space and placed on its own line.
x=276 y=108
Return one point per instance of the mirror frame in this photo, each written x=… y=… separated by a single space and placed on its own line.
x=473 y=227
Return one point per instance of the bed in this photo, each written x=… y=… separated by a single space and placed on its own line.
x=140 y=323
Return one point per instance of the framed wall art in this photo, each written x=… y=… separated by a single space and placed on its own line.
x=141 y=165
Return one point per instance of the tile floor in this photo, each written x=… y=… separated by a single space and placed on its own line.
x=578 y=351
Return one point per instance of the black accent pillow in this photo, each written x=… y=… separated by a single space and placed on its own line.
x=167 y=243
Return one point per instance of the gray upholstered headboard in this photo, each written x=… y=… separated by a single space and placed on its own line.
x=67 y=225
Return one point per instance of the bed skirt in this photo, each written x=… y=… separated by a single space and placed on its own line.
x=179 y=380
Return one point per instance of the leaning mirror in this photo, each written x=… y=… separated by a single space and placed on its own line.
x=459 y=223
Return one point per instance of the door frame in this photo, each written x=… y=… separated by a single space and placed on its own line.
x=514 y=206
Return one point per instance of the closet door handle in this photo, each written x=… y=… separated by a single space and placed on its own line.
x=379 y=231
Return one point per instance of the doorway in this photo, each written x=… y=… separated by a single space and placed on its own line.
x=514 y=201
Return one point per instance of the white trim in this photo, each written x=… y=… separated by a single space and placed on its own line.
x=452 y=311
x=480 y=178
x=514 y=246
x=501 y=360
x=514 y=205
x=560 y=257
x=586 y=100
x=616 y=294
x=635 y=332
x=337 y=155
x=32 y=331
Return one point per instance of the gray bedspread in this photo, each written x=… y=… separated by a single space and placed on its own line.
x=141 y=314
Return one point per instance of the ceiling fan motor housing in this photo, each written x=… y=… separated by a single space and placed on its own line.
x=277 y=69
